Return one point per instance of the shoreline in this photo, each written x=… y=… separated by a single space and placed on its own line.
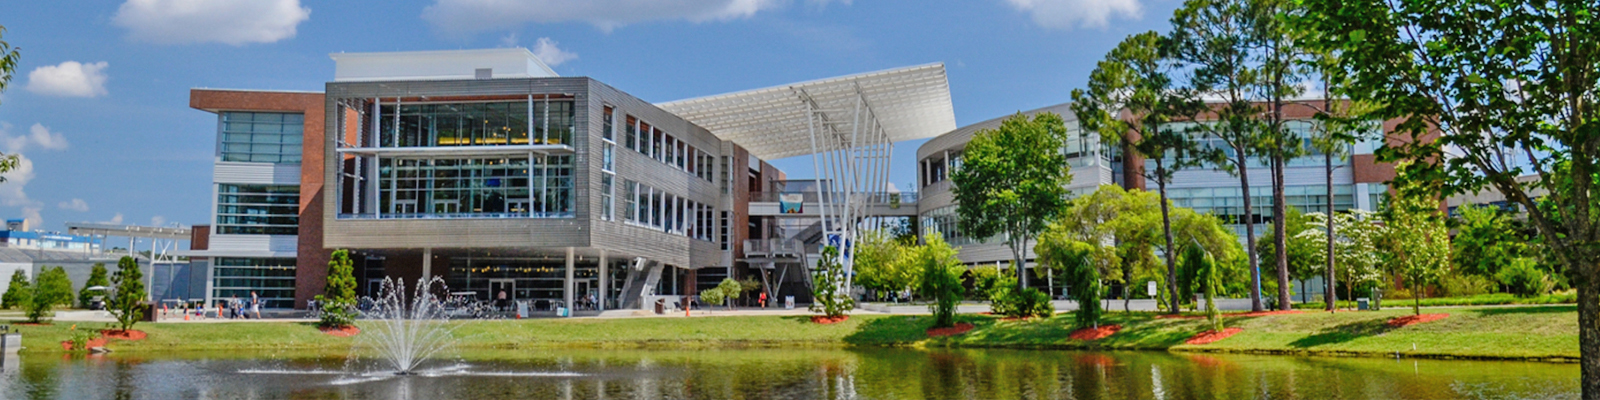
x=1531 y=333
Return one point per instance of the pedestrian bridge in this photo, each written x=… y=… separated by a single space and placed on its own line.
x=807 y=204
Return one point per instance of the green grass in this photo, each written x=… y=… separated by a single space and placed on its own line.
x=1539 y=333
x=1475 y=300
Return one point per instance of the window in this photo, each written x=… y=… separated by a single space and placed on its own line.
x=722 y=231
x=655 y=144
x=657 y=203
x=682 y=149
x=608 y=158
x=631 y=137
x=630 y=201
x=606 y=125
x=605 y=196
x=258 y=209
x=671 y=148
x=272 y=279
x=644 y=139
x=727 y=174
x=261 y=137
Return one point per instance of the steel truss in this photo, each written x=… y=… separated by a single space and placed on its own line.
x=850 y=153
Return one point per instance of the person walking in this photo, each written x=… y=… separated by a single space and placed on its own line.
x=255 y=304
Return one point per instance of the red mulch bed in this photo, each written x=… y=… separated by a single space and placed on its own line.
x=347 y=331
x=1415 y=319
x=1091 y=334
x=91 y=343
x=823 y=319
x=1209 y=337
x=119 y=334
x=32 y=323
x=950 y=331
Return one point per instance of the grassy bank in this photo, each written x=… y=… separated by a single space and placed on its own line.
x=1538 y=333
x=1476 y=300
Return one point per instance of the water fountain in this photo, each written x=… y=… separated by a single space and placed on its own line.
x=407 y=331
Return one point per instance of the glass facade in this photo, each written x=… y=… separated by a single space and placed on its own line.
x=476 y=124
x=258 y=209
x=261 y=136
x=271 y=278
x=1226 y=203
x=433 y=188
x=538 y=281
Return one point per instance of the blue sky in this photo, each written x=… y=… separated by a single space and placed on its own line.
x=99 y=103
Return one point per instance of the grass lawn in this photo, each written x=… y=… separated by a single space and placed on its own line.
x=1543 y=333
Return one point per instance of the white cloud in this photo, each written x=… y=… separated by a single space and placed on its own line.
x=75 y=205
x=115 y=220
x=38 y=135
x=31 y=213
x=470 y=16
x=547 y=51
x=234 y=22
x=158 y=221
x=13 y=191
x=1068 y=14
x=69 y=79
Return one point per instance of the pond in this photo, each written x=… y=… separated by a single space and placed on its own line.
x=778 y=374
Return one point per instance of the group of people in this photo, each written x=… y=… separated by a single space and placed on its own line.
x=240 y=308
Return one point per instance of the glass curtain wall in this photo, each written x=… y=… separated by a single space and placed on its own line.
x=476 y=124
x=442 y=188
x=262 y=137
x=271 y=278
x=258 y=209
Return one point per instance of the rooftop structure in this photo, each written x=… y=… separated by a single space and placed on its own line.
x=439 y=65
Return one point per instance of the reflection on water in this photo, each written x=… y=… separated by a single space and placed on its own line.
x=779 y=374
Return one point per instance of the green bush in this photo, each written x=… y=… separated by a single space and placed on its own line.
x=829 y=297
x=338 y=300
x=17 y=292
x=1568 y=297
x=1524 y=278
x=712 y=296
x=1465 y=285
x=52 y=289
x=126 y=302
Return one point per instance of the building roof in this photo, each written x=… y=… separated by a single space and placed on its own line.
x=516 y=62
x=909 y=103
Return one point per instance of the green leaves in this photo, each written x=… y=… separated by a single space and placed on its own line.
x=129 y=292
x=1013 y=179
x=338 y=300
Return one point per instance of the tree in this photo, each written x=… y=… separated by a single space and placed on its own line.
x=338 y=298
x=829 y=296
x=879 y=262
x=126 y=301
x=1356 y=246
x=1206 y=276
x=97 y=277
x=712 y=296
x=9 y=56
x=1076 y=261
x=1012 y=182
x=1210 y=38
x=940 y=278
x=1131 y=101
x=731 y=289
x=1416 y=245
x=1301 y=257
x=1489 y=92
x=1127 y=220
x=53 y=288
x=18 y=292
x=1486 y=240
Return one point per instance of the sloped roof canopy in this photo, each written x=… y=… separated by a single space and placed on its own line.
x=909 y=103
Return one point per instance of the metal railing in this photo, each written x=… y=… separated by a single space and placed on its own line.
x=773 y=247
x=550 y=215
x=814 y=196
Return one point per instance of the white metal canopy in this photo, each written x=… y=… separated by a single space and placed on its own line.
x=908 y=103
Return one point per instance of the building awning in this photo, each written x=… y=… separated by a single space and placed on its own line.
x=908 y=103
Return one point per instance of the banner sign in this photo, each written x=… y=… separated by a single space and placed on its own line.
x=791 y=203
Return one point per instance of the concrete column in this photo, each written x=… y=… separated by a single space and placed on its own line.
x=566 y=287
x=427 y=265
x=605 y=281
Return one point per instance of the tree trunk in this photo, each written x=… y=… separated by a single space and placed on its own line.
x=1249 y=231
x=1329 y=296
x=1589 y=332
x=1127 y=286
x=1017 y=247
x=1280 y=230
x=1166 y=229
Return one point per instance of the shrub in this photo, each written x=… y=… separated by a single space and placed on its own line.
x=339 y=295
x=984 y=280
x=18 y=292
x=1524 y=278
x=712 y=296
x=940 y=278
x=125 y=302
x=52 y=289
x=829 y=296
x=1465 y=285
x=97 y=277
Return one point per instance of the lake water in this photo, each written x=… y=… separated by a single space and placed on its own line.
x=779 y=374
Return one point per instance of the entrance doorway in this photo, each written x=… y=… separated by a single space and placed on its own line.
x=581 y=295
x=373 y=286
x=507 y=286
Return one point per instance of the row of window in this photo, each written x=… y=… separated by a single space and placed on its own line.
x=261 y=136
x=258 y=209
x=271 y=279
x=660 y=146
x=540 y=187
x=476 y=124
x=648 y=206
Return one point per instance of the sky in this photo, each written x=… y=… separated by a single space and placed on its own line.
x=98 y=105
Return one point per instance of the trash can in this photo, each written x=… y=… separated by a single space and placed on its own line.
x=661 y=306
x=1363 y=303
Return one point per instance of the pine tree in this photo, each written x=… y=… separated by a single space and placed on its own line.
x=126 y=302
x=17 y=292
x=339 y=296
x=97 y=277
